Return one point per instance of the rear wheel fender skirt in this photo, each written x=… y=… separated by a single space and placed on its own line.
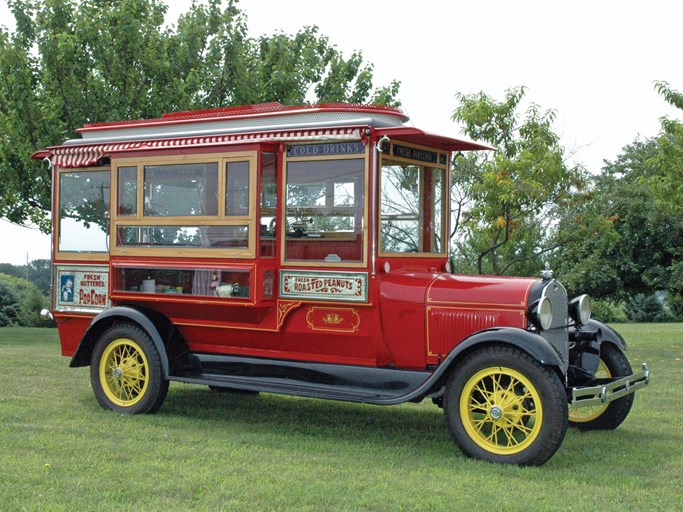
x=107 y=318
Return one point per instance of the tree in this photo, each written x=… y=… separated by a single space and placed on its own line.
x=71 y=63
x=39 y=272
x=630 y=244
x=636 y=208
x=666 y=180
x=9 y=306
x=506 y=201
x=20 y=302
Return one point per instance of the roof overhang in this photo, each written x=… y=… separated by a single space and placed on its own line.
x=422 y=138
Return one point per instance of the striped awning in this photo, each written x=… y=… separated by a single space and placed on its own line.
x=83 y=155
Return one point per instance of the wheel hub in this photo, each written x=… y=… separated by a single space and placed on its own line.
x=496 y=412
x=118 y=373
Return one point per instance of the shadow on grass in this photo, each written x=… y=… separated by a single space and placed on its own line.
x=302 y=420
x=407 y=430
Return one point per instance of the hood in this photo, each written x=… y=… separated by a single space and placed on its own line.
x=473 y=291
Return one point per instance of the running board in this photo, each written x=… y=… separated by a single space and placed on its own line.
x=314 y=380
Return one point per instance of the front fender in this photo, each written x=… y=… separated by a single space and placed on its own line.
x=599 y=332
x=106 y=319
x=533 y=344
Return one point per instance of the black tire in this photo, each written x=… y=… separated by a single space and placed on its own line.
x=126 y=372
x=503 y=406
x=613 y=363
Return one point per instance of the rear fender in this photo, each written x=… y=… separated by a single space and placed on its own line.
x=106 y=319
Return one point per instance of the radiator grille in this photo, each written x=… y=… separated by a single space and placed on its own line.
x=558 y=334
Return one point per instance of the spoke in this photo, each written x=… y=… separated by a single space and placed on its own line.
x=479 y=424
x=475 y=404
x=487 y=394
x=508 y=434
x=524 y=429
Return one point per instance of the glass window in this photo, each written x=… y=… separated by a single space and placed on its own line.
x=235 y=237
x=268 y=205
x=412 y=208
x=237 y=188
x=128 y=191
x=224 y=283
x=324 y=210
x=84 y=198
x=181 y=190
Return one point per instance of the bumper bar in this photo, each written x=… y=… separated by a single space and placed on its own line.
x=610 y=390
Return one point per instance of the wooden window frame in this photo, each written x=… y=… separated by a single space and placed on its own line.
x=94 y=256
x=283 y=213
x=220 y=219
x=446 y=198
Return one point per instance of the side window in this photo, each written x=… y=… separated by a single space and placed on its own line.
x=181 y=190
x=268 y=205
x=324 y=210
x=412 y=208
x=84 y=197
x=202 y=205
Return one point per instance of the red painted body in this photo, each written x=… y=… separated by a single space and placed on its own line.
x=414 y=313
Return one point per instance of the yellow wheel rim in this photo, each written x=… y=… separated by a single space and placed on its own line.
x=586 y=414
x=124 y=372
x=501 y=410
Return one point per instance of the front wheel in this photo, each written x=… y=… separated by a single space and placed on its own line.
x=502 y=406
x=613 y=363
x=126 y=372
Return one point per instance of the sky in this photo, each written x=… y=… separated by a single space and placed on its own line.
x=593 y=62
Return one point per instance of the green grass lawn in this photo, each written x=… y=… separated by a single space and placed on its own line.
x=205 y=451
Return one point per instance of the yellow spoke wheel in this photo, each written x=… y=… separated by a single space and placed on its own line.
x=502 y=405
x=613 y=364
x=124 y=372
x=586 y=414
x=501 y=410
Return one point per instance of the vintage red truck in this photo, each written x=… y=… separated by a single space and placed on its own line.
x=304 y=251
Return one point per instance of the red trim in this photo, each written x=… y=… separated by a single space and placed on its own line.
x=242 y=112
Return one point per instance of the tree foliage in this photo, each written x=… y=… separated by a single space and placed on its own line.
x=629 y=244
x=507 y=200
x=70 y=63
x=630 y=226
x=20 y=302
x=38 y=272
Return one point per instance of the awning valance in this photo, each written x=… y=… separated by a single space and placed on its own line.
x=83 y=155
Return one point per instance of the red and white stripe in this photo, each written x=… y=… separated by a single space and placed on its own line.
x=88 y=154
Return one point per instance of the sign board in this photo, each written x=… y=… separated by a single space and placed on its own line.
x=81 y=288
x=318 y=285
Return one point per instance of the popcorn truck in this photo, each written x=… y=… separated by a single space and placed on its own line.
x=304 y=251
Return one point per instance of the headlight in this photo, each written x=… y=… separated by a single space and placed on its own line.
x=580 y=309
x=544 y=313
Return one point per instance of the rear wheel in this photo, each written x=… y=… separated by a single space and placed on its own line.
x=501 y=405
x=126 y=372
x=613 y=363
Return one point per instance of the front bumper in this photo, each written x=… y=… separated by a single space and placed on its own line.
x=608 y=390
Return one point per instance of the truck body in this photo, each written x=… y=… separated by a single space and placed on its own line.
x=304 y=251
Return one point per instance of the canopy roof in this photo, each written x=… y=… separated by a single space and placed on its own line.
x=270 y=122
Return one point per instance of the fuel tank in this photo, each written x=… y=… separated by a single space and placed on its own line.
x=426 y=313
